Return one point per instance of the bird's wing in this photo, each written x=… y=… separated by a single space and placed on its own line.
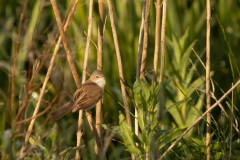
x=86 y=96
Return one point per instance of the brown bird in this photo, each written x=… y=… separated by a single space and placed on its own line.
x=85 y=97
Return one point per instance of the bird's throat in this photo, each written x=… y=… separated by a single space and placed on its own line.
x=101 y=82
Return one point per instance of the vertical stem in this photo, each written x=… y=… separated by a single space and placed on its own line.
x=163 y=40
x=93 y=128
x=99 y=66
x=140 y=41
x=231 y=126
x=85 y=63
x=100 y=32
x=14 y=59
x=208 y=98
x=157 y=38
x=119 y=61
x=163 y=30
x=145 y=38
x=120 y=68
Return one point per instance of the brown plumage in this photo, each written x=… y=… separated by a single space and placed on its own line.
x=85 y=97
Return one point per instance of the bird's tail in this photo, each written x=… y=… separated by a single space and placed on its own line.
x=62 y=111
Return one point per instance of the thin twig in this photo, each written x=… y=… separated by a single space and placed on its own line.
x=26 y=99
x=100 y=32
x=231 y=122
x=29 y=88
x=157 y=39
x=140 y=40
x=120 y=68
x=93 y=128
x=145 y=38
x=107 y=142
x=99 y=66
x=119 y=61
x=85 y=63
x=65 y=44
x=15 y=57
x=36 y=116
x=198 y=58
x=208 y=83
x=162 y=65
x=225 y=113
x=39 y=114
x=212 y=94
x=163 y=30
x=199 y=119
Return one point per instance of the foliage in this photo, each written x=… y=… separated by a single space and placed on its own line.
x=151 y=139
x=180 y=96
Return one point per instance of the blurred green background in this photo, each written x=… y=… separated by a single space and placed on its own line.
x=183 y=85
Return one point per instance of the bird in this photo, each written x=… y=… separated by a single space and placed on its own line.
x=85 y=97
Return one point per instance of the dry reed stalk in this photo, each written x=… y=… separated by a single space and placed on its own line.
x=208 y=83
x=85 y=63
x=14 y=60
x=162 y=65
x=99 y=66
x=120 y=68
x=231 y=132
x=93 y=129
x=157 y=39
x=163 y=30
x=107 y=141
x=119 y=61
x=140 y=41
x=145 y=38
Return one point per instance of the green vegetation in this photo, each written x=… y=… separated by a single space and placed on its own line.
x=161 y=119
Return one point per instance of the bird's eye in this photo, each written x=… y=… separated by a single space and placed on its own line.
x=97 y=77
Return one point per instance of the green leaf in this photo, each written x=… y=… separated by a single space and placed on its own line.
x=173 y=18
x=141 y=93
x=138 y=97
x=199 y=142
x=164 y=137
x=31 y=140
x=141 y=119
x=128 y=136
x=145 y=89
x=52 y=136
x=154 y=92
